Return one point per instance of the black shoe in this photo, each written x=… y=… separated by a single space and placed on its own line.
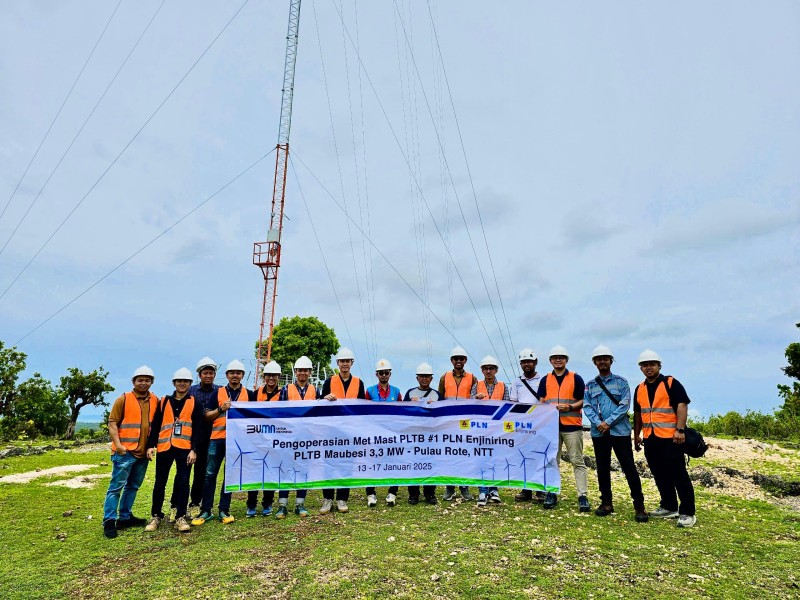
x=131 y=522
x=431 y=500
x=413 y=500
x=550 y=500
x=539 y=497
x=110 y=529
x=641 y=514
x=604 y=510
x=523 y=496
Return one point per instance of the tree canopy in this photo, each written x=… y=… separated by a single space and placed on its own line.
x=791 y=395
x=83 y=389
x=12 y=363
x=297 y=336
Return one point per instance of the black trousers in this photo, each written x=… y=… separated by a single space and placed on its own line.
x=199 y=477
x=267 y=498
x=341 y=494
x=621 y=445
x=427 y=490
x=392 y=490
x=667 y=463
x=180 y=486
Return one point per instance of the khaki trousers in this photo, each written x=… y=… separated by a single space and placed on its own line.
x=573 y=441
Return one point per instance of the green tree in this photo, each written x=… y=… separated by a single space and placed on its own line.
x=83 y=389
x=12 y=363
x=297 y=336
x=791 y=395
x=37 y=402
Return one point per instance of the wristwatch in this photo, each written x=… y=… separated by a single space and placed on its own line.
x=681 y=430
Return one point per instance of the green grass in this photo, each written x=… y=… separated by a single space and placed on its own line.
x=739 y=549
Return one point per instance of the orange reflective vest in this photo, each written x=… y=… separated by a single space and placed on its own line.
x=293 y=392
x=337 y=387
x=461 y=389
x=166 y=435
x=556 y=394
x=218 y=426
x=263 y=396
x=659 y=418
x=497 y=393
x=130 y=427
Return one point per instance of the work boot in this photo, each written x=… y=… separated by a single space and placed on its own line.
x=182 y=525
x=153 y=524
x=431 y=500
x=413 y=500
x=539 y=497
x=132 y=522
x=465 y=495
x=550 y=500
x=604 y=510
x=641 y=513
x=583 y=504
x=523 y=496
x=110 y=528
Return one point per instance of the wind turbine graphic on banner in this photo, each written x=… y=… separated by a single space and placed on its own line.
x=508 y=472
x=264 y=468
x=280 y=470
x=295 y=471
x=240 y=460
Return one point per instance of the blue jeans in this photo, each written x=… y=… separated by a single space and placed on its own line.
x=486 y=490
x=127 y=474
x=216 y=454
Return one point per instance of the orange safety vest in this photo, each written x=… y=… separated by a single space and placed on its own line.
x=261 y=396
x=130 y=427
x=166 y=436
x=337 y=387
x=218 y=426
x=293 y=392
x=659 y=417
x=453 y=390
x=555 y=393
x=497 y=393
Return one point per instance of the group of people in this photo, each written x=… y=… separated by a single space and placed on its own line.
x=187 y=428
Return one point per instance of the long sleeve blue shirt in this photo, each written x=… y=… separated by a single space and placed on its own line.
x=598 y=407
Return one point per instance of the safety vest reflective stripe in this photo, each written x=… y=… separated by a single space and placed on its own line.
x=293 y=392
x=166 y=435
x=131 y=422
x=658 y=417
x=460 y=390
x=558 y=394
x=498 y=391
x=337 y=387
x=218 y=426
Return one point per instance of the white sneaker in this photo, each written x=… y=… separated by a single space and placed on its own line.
x=341 y=506
x=686 y=521
x=481 y=499
x=391 y=499
x=153 y=524
x=663 y=513
x=494 y=496
x=326 y=507
x=372 y=500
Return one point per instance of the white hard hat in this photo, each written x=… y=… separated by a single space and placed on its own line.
x=424 y=369
x=345 y=354
x=205 y=362
x=489 y=361
x=235 y=365
x=649 y=355
x=458 y=351
x=303 y=363
x=383 y=365
x=558 y=351
x=602 y=350
x=271 y=368
x=144 y=371
x=527 y=354
x=182 y=373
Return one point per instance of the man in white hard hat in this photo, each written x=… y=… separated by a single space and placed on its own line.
x=489 y=389
x=422 y=393
x=564 y=389
x=383 y=392
x=524 y=389
x=172 y=439
x=606 y=403
x=205 y=396
x=342 y=385
x=660 y=412
x=128 y=428
x=457 y=383
x=232 y=392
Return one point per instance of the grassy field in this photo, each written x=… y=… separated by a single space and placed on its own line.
x=740 y=548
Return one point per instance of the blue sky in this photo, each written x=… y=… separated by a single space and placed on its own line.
x=635 y=166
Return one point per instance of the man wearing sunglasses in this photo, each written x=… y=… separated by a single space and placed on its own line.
x=383 y=392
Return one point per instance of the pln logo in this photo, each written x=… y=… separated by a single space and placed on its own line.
x=463 y=424
x=467 y=424
x=508 y=426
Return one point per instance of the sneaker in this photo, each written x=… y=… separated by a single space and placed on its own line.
x=449 y=494
x=686 y=521
x=153 y=524
x=494 y=496
x=413 y=500
x=194 y=511
x=172 y=514
x=251 y=512
x=663 y=513
x=202 y=518
x=182 y=525
x=326 y=507
x=431 y=500
x=481 y=499
x=604 y=510
x=391 y=500
x=266 y=511
x=372 y=500
x=110 y=528
x=225 y=517
x=341 y=506
x=465 y=495
x=131 y=522
x=641 y=513
x=281 y=512
x=583 y=504
x=523 y=496
x=550 y=500
x=300 y=511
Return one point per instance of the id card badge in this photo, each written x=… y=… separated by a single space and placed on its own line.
x=176 y=430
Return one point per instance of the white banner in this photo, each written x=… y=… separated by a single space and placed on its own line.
x=356 y=443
